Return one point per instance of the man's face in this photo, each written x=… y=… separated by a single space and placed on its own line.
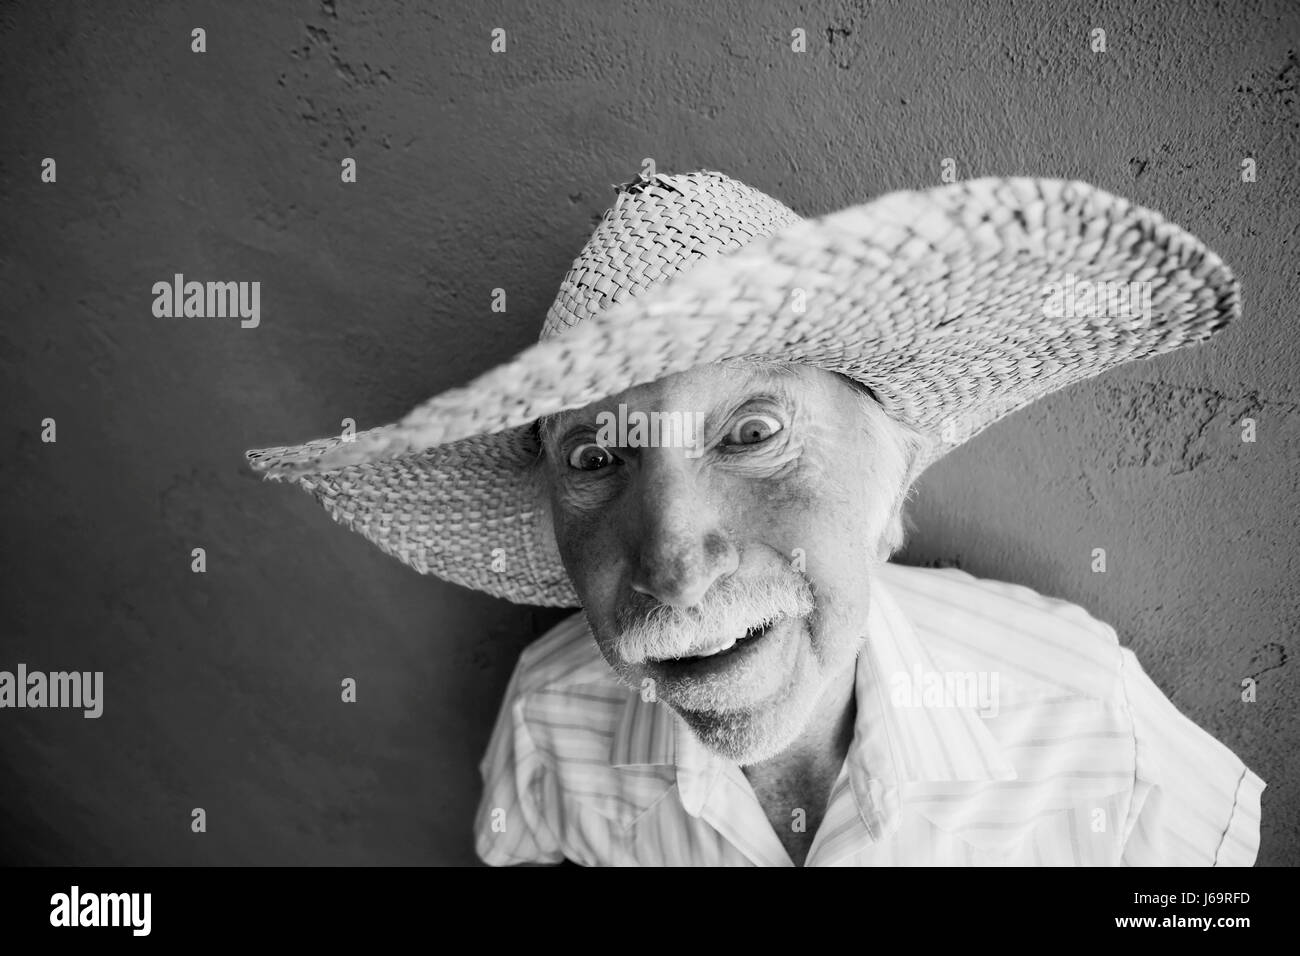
x=734 y=574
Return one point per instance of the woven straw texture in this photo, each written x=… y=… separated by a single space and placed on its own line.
x=935 y=300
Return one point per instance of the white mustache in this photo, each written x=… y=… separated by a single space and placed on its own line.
x=729 y=609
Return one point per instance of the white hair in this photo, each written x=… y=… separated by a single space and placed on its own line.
x=902 y=452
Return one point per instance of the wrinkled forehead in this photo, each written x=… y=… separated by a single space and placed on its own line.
x=702 y=389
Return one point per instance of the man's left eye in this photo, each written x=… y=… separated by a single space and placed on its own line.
x=753 y=429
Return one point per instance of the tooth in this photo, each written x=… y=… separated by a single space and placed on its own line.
x=720 y=648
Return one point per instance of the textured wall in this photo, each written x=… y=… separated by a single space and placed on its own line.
x=478 y=171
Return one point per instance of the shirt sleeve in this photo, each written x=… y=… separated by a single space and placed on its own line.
x=511 y=826
x=1194 y=802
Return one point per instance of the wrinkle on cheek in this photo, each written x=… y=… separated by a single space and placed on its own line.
x=815 y=497
x=583 y=495
x=790 y=490
x=579 y=515
x=789 y=462
x=835 y=464
x=765 y=467
x=803 y=472
x=811 y=461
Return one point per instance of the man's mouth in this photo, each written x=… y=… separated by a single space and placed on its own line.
x=749 y=667
x=727 y=647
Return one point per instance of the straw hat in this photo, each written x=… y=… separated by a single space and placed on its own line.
x=946 y=303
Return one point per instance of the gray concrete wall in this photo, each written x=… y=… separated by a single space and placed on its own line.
x=479 y=171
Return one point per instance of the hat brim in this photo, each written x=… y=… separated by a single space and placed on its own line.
x=936 y=300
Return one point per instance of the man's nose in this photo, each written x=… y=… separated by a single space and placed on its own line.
x=681 y=547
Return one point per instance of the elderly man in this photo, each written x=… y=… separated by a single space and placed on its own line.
x=710 y=451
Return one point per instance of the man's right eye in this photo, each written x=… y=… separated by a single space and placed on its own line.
x=590 y=457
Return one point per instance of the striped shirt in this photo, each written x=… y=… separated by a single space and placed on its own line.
x=994 y=727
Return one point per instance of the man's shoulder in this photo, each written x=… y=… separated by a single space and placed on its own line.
x=1049 y=683
x=570 y=705
x=566 y=655
x=565 y=693
x=952 y=594
x=987 y=624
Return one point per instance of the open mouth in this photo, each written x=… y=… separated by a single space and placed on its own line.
x=752 y=634
x=746 y=668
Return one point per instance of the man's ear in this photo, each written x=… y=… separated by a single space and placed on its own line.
x=918 y=450
x=895 y=533
x=899 y=524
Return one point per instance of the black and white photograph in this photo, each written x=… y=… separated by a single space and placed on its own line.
x=650 y=434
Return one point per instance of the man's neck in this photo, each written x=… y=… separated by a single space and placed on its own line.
x=794 y=786
x=822 y=745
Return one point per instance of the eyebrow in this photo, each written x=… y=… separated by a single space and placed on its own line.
x=548 y=426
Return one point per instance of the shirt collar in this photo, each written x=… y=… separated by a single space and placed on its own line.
x=899 y=737
x=901 y=733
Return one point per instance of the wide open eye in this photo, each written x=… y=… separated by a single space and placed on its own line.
x=753 y=429
x=590 y=457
